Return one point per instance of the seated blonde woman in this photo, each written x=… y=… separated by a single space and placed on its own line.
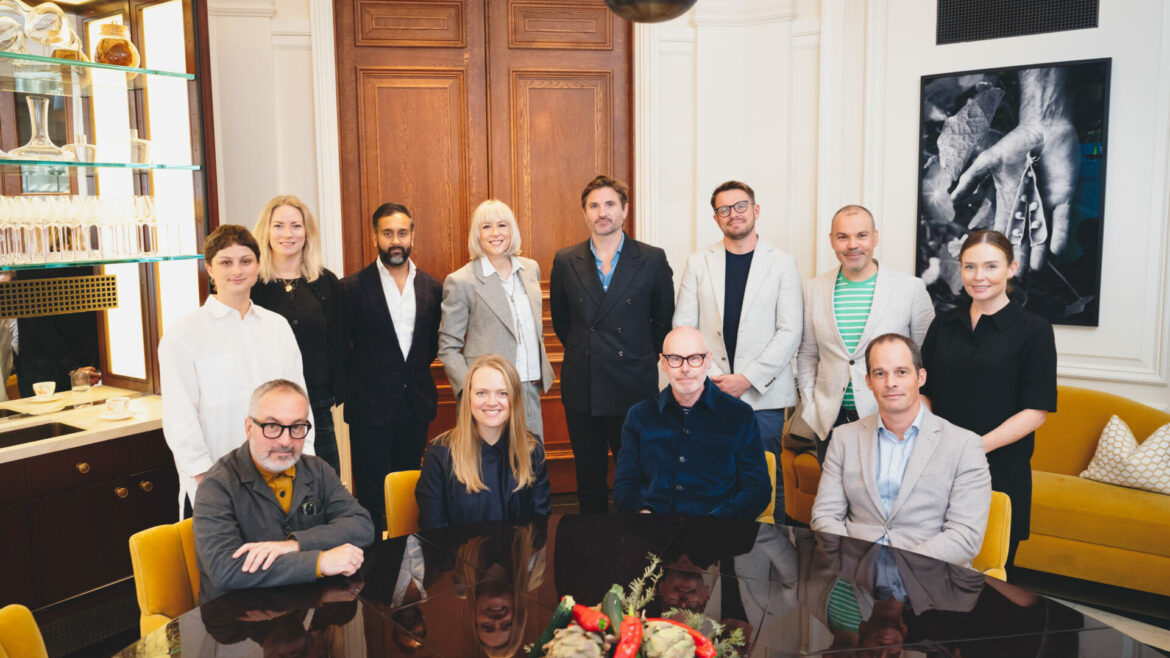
x=489 y=467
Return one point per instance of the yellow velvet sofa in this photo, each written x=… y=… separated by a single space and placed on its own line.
x=1092 y=530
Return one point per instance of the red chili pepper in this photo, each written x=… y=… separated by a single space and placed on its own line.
x=590 y=619
x=703 y=647
x=631 y=641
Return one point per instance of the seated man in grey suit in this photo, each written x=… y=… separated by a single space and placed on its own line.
x=266 y=515
x=904 y=476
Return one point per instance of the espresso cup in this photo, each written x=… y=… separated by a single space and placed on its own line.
x=44 y=390
x=117 y=405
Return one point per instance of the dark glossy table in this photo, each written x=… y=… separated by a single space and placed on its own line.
x=492 y=589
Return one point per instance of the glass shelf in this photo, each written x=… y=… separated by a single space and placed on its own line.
x=5 y=163
x=83 y=263
x=34 y=74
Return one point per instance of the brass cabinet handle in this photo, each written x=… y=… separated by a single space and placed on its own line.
x=146 y=485
x=82 y=467
x=121 y=492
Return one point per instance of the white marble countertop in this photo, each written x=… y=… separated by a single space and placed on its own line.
x=145 y=415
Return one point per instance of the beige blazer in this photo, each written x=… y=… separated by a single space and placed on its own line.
x=823 y=366
x=769 y=325
x=942 y=504
x=477 y=320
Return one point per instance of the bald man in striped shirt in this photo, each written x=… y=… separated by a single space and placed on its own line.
x=843 y=309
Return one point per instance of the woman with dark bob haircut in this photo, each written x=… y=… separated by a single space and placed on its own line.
x=991 y=368
x=488 y=467
x=211 y=360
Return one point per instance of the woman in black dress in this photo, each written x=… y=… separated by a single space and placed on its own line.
x=488 y=467
x=991 y=368
x=294 y=283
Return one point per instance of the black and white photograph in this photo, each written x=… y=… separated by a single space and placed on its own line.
x=1020 y=150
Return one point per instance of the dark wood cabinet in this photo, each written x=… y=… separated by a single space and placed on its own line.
x=69 y=534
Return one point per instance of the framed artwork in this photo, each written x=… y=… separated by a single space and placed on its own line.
x=1020 y=150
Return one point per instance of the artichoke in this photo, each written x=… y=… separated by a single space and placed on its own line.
x=662 y=640
x=575 y=642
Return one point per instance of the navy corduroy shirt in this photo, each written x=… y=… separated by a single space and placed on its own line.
x=708 y=460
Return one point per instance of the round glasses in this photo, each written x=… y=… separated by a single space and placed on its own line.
x=274 y=430
x=676 y=360
x=739 y=206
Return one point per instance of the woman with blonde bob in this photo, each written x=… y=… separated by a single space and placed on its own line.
x=489 y=467
x=492 y=305
x=294 y=283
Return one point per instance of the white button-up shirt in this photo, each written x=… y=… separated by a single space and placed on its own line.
x=401 y=304
x=209 y=363
x=523 y=324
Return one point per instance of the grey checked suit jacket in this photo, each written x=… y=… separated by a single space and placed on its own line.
x=824 y=368
x=942 y=504
x=770 y=322
x=477 y=320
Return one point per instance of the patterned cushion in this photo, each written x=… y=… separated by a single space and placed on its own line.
x=1120 y=460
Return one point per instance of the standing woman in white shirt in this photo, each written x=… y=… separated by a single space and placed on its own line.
x=211 y=360
x=492 y=305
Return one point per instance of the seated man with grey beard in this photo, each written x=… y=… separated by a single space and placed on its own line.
x=266 y=515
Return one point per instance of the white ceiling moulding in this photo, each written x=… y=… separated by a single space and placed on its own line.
x=328 y=150
x=742 y=13
x=242 y=8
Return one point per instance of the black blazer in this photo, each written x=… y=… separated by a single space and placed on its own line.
x=612 y=339
x=327 y=289
x=378 y=376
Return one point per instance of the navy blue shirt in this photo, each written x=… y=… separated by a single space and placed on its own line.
x=734 y=282
x=444 y=501
x=706 y=461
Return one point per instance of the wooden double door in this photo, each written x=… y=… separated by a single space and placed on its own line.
x=445 y=103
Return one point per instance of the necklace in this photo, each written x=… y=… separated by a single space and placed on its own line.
x=289 y=284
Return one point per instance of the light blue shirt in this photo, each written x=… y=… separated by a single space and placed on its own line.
x=887 y=582
x=606 y=278
x=893 y=455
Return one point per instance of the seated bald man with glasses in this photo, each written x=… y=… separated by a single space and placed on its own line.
x=691 y=449
x=266 y=515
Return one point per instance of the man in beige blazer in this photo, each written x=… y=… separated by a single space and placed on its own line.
x=484 y=314
x=904 y=476
x=743 y=294
x=830 y=369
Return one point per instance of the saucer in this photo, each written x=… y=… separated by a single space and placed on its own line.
x=112 y=415
x=53 y=398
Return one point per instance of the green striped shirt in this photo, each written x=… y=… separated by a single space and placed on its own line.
x=851 y=303
x=843 y=612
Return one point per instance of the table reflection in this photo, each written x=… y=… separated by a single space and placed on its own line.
x=491 y=591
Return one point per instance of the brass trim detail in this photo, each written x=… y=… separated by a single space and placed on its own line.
x=32 y=298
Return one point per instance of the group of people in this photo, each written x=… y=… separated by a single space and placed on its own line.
x=908 y=459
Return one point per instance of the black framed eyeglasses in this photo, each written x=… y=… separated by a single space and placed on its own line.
x=296 y=431
x=676 y=360
x=739 y=206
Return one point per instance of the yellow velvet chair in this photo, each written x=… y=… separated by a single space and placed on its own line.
x=19 y=635
x=166 y=577
x=992 y=558
x=401 y=506
x=802 y=476
x=769 y=513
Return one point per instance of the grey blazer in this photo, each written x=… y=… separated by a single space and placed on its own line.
x=770 y=322
x=234 y=506
x=943 y=502
x=824 y=368
x=477 y=320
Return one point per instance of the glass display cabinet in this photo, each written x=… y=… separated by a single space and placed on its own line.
x=104 y=184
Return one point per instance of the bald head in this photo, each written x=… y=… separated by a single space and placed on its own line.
x=849 y=210
x=684 y=340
